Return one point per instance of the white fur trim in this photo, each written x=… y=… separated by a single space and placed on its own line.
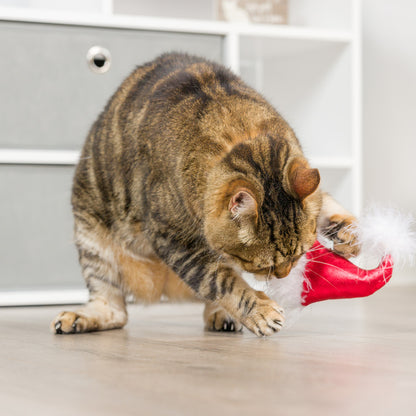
x=287 y=292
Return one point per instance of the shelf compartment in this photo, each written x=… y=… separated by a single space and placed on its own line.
x=339 y=183
x=37 y=228
x=309 y=83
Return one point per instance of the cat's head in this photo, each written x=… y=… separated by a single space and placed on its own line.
x=261 y=206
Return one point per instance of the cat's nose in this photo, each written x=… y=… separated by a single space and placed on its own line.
x=283 y=270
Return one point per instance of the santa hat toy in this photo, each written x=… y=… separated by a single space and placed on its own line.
x=385 y=236
x=330 y=276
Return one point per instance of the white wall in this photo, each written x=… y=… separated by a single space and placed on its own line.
x=389 y=88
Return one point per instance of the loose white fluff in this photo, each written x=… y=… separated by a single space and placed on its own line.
x=384 y=230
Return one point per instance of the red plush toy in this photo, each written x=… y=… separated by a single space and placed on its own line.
x=330 y=276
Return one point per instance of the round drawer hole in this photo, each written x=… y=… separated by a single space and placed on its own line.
x=99 y=59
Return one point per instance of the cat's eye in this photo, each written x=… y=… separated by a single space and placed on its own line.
x=241 y=258
x=253 y=268
x=264 y=270
x=295 y=259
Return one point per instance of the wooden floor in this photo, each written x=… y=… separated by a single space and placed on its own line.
x=341 y=358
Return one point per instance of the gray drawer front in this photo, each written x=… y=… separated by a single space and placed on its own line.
x=36 y=244
x=50 y=97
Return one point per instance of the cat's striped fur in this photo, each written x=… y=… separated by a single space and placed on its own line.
x=187 y=177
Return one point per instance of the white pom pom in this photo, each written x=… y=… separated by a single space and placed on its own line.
x=384 y=231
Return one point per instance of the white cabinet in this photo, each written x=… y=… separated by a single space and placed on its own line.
x=310 y=70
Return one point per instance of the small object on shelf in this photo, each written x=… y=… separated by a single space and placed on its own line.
x=253 y=11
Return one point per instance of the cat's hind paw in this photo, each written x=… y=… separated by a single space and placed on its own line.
x=218 y=320
x=70 y=323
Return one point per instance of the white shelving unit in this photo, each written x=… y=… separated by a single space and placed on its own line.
x=311 y=72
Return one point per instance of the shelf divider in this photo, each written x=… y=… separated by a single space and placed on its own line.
x=38 y=157
x=331 y=162
x=212 y=27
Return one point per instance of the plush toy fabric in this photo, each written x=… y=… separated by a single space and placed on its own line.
x=385 y=236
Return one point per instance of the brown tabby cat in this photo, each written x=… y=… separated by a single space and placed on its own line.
x=189 y=172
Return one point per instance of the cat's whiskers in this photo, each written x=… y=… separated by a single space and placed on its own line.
x=326 y=264
x=319 y=275
x=313 y=250
x=334 y=230
x=218 y=262
x=268 y=277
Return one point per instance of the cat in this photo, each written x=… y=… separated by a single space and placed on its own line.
x=187 y=178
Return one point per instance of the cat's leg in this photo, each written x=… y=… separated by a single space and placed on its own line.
x=176 y=289
x=213 y=280
x=217 y=319
x=338 y=224
x=148 y=278
x=142 y=277
x=106 y=308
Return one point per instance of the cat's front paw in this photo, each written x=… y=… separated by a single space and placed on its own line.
x=342 y=231
x=264 y=318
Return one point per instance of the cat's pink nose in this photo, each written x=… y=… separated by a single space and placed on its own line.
x=283 y=271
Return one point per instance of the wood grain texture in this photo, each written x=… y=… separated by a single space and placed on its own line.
x=354 y=357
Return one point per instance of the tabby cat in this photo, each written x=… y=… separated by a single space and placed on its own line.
x=187 y=178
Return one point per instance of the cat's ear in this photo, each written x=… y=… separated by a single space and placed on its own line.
x=242 y=204
x=303 y=181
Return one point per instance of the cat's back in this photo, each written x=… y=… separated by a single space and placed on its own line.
x=171 y=118
x=178 y=101
x=162 y=99
x=160 y=82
